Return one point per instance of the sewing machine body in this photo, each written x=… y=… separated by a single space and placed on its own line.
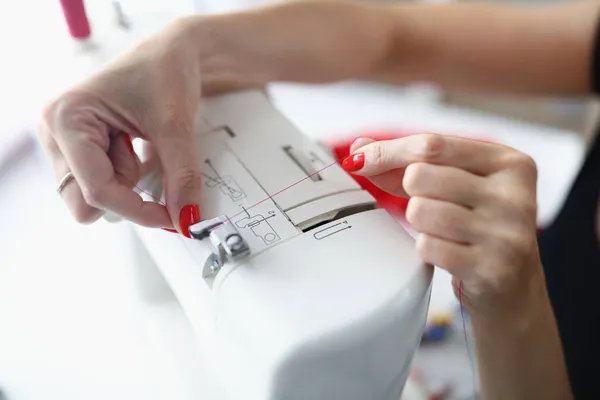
x=331 y=300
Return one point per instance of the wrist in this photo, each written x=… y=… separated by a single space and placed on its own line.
x=413 y=42
x=517 y=311
x=518 y=348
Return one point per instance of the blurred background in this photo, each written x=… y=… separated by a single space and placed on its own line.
x=70 y=327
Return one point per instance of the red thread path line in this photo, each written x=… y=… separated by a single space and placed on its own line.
x=286 y=188
x=257 y=203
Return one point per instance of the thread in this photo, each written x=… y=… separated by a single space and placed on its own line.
x=464 y=328
x=460 y=288
x=255 y=204
x=286 y=188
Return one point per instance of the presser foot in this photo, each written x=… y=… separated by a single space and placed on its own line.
x=228 y=244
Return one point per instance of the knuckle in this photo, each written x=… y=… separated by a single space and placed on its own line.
x=188 y=178
x=520 y=161
x=431 y=146
x=415 y=211
x=50 y=114
x=173 y=121
x=378 y=154
x=516 y=200
x=525 y=162
x=60 y=108
x=506 y=195
x=85 y=214
x=515 y=243
x=528 y=205
x=93 y=196
x=423 y=247
x=446 y=257
x=71 y=109
x=413 y=176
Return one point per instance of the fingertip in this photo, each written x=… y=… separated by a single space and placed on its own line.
x=354 y=162
x=183 y=191
x=152 y=215
x=86 y=215
x=359 y=142
x=189 y=215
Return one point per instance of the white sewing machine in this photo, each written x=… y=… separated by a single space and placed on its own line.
x=296 y=286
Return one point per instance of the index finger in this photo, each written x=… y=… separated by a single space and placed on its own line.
x=479 y=158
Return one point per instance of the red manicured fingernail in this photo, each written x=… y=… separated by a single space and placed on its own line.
x=129 y=144
x=189 y=215
x=169 y=230
x=353 y=162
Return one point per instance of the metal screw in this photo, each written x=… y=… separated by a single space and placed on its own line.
x=214 y=268
x=234 y=242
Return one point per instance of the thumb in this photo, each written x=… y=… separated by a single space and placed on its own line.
x=359 y=142
x=182 y=180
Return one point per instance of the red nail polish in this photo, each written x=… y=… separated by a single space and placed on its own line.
x=129 y=144
x=169 y=230
x=189 y=215
x=353 y=162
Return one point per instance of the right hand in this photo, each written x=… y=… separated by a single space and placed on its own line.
x=473 y=205
x=150 y=93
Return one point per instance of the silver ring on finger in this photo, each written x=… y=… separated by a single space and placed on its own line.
x=64 y=182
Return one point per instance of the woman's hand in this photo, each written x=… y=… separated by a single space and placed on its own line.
x=151 y=93
x=473 y=204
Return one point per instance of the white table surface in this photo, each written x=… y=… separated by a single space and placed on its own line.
x=71 y=326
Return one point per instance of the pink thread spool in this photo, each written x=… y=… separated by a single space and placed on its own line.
x=76 y=18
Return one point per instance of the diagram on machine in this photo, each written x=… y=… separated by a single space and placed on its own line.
x=331 y=230
x=259 y=225
x=226 y=184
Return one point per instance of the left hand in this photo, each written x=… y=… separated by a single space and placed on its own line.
x=473 y=204
x=151 y=93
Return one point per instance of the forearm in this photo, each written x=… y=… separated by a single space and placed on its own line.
x=318 y=41
x=462 y=46
x=519 y=354
x=539 y=50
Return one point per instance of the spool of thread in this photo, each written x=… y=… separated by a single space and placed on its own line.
x=76 y=18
